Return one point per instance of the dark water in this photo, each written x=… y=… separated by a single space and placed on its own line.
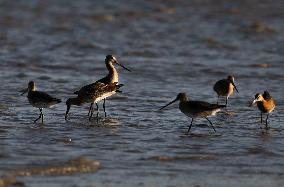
x=171 y=46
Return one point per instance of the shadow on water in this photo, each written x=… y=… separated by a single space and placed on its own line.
x=266 y=135
x=107 y=122
x=200 y=135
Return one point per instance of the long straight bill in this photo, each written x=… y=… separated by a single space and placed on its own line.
x=168 y=104
x=24 y=91
x=123 y=67
x=235 y=87
x=252 y=103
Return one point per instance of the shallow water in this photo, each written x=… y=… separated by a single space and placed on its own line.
x=170 y=46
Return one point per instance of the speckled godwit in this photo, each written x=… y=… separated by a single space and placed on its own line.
x=111 y=77
x=92 y=93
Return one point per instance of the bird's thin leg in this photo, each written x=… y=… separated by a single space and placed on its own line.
x=97 y=112
x=41 y=115
x=266 y=121
x=210 y=123
x=38 y=117
x=92 y=112
x=104 y=105
x=260 y=117
x=91 y=106
x=189 y=126
x=226 y=101
x=218 y=100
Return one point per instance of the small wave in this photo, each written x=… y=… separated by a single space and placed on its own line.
x=261 y=65
x=8 y=181
x=173 y=158
x=142 y=53
x=258 y=27
x=214 y=43
x=261 y=151
x=77 y=165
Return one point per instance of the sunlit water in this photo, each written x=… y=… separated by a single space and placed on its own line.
x=170 y=46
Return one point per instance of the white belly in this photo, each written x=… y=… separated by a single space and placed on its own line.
x=108 y=94
x=201 y=114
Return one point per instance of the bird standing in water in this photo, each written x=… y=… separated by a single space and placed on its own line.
x=265 y=104
x=111 y=77
x=92 y=93
x=225 y=87
x=39 y=99
x=195 y=109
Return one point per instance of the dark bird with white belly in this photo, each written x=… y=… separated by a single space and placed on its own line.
x=39 y=99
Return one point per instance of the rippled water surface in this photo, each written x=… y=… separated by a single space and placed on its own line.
x=170 y=46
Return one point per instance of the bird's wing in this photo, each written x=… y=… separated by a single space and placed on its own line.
x=203 y=106
x=96 y=89
x=103 y=80
x=39 y=96
x=91 y=88
x=266 y=95
x=220 y=85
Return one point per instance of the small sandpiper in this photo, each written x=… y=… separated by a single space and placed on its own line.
x=111 y=77
x=225 y=87
x=39 y=99
x=195 y=109
x=92 y=93
x=265 y=104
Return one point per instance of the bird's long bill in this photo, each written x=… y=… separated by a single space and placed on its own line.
x=235 y=87
x=24 y=91
x=123 y=66
x=67 y=111
x=168 y=104
x=253 y=102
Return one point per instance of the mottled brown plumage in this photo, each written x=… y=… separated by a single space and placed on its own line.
x=195 y=109
x=111 y=77
x=225 y=87
x=92 y=93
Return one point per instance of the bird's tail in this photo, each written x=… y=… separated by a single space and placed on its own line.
x=266 y=95
x=117 y=88
x=57 y=100
x=221 y=106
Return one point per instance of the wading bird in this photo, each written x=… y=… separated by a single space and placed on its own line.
x=92 y=93
x=39 y=99
x=195 y=109
x=225 y=87
x=265 y=104
x=111 y=77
